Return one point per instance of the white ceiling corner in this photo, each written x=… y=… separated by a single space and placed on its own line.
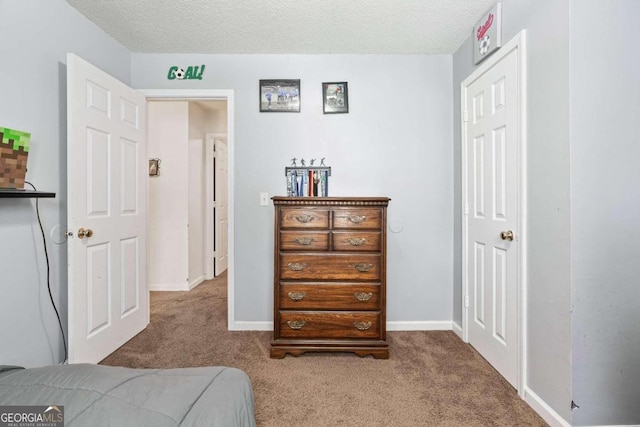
x=287 y=26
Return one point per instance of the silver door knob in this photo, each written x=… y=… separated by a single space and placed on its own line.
x=507 y=235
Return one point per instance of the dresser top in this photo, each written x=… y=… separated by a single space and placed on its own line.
x=331 y=201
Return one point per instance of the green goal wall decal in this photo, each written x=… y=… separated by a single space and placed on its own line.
x=192 y=73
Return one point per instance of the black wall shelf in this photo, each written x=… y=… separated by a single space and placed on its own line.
x=23 y=194
x=307 y=168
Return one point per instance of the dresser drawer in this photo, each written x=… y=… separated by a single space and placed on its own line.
x=329 y=266
x=357 y=218
x=329 y=296
x=329 y=324
x=304 y=218
x=356 y=241
x=304 y=240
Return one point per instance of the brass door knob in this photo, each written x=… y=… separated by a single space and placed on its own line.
x=507 y=235
x=82 y=233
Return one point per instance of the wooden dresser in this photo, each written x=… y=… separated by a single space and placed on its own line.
x=330 y=275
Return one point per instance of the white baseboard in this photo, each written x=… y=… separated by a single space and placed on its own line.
x=544 y=410
x=251 y=326
x=177 y=287
x=418 y=326
x=168 y=287
x=196 y=282
x=457 y=329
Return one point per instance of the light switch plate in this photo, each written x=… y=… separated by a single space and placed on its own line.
x=264 y=199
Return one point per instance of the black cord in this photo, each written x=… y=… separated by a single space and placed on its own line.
x=46 y=256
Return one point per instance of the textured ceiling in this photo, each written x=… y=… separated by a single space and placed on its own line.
x=286 y=26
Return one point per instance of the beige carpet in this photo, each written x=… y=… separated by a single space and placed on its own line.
x=431 y=378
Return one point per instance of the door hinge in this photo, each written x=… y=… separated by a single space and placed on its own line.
x=215 y=205
x=466 y=301
x=466 y=208
x=465 y=116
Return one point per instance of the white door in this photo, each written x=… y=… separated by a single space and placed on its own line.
x=221 y=206
x=492 y=213
x=107 y=207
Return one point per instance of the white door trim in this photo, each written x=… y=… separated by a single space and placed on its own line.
x=518 y=43
x=211 y=94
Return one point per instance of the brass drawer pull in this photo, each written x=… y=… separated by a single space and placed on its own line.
x=362 y=296
x=304 y=218
x=361 y=326
x=355 y=241
x=296 y=296
x=297 y=266
x=356 y=219
x=363 y=268
x=304 y=240
x=298 y=324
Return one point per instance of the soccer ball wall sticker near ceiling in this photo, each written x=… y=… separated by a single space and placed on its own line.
x=179 y=73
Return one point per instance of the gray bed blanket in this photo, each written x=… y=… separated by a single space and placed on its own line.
x=94 y=395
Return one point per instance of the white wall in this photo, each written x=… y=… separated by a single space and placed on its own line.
x=167 y=131
x=212 y=119
x=35 y=36
x=216 y=119
x=548 y=351
x=196 y=212
x=396 y=141
x=605 y=206
x=197 y=129
x=176 y=132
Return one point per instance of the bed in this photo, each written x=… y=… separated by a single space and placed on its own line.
x=94 y=395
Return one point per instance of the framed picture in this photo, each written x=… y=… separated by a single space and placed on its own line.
x=280 y=96
x=487 y=34
x=335 y=97
x=154 y=167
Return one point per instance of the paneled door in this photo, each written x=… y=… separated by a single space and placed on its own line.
x=221 y=206
x=108 y=299
x=492 y=217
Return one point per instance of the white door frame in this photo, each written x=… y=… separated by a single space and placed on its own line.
x=518 y=43
x=210 y=95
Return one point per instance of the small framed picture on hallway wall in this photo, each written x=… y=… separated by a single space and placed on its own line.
x=335 y=98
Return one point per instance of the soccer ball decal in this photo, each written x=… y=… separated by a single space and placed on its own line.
x=179 y=73
x=484 y=44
